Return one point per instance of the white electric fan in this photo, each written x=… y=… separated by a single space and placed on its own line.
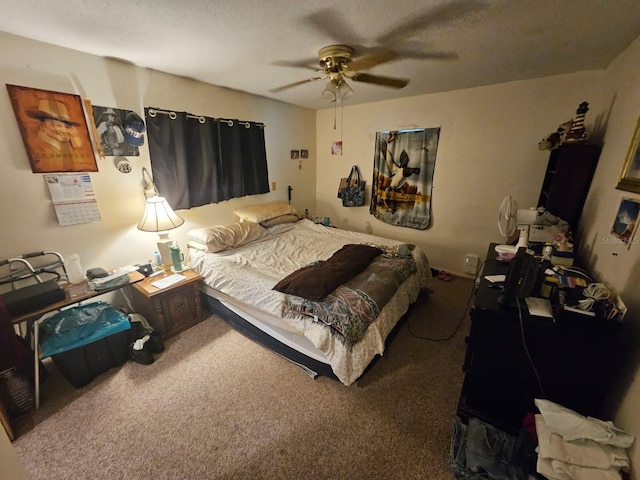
x=511 y=219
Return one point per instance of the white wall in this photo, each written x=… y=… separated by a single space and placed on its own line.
x=488 y=149
x=29 y=221
x=612 y=262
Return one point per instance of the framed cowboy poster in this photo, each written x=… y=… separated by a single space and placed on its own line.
x=53 y=129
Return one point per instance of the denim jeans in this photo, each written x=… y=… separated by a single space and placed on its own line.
x=480 y=451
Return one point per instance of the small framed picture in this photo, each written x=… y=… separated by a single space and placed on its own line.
x=295 y=154
x=304 y=153
x=624 y=224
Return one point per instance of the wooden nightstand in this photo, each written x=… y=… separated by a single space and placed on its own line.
x=172 y=309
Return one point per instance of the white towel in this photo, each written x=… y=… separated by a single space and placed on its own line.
x=586 y=453
x=574 y=427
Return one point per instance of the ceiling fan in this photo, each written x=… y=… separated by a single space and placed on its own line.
x=338 y=62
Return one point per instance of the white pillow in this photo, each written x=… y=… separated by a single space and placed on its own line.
x=264 y=211
x=289 y=218
x=223 y=237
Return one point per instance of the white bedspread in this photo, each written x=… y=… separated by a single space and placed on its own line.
x=249 y=273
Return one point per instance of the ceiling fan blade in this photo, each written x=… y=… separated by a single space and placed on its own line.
x=378 y=80
x=311 y=64
x=370 y=60
x=446 y=12
x=331 y=23
x=295 y=84
x=417 y=54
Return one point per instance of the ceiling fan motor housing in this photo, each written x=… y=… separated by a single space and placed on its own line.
x=334 y=57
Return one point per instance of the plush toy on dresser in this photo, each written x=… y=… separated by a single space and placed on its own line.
x=557 y=138
x=577 y=133
x=571 y=131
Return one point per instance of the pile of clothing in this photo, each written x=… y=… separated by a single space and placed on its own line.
x=571 y=446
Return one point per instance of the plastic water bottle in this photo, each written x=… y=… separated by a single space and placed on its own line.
x=306 y=213
x=157 y=257
x=74 y=268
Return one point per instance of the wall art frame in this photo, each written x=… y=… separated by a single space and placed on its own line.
x=54 y=130
x=626 y=220
x=109 y=123
x=630 y=176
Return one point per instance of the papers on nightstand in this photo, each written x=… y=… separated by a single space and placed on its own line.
x=168 y=280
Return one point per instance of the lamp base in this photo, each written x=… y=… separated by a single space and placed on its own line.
x=163 y=248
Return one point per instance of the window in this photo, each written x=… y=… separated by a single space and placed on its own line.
x=199 y=160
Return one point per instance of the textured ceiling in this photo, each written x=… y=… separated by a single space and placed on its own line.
x=245 y=44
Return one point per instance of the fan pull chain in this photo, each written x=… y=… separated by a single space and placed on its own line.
x=341 y=126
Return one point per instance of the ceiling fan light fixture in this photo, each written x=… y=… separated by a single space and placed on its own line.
x=337 y=90
x=330 y=91
x=345 y=90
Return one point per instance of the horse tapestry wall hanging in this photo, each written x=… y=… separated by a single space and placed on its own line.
x=403 y=166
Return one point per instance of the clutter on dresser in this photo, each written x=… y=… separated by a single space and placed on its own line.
x=594 y=299
x=516 y=353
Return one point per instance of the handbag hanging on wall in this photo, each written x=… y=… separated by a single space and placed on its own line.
x=351 y=189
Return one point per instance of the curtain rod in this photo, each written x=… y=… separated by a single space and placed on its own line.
x=173 y=115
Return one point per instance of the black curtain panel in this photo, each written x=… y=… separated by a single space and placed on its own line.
x=254 y=159
x=231 y=152
x=199 y=160
x=206 y=179
x=169 y=156
x=244 y=157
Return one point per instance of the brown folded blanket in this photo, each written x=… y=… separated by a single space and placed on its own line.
x=316 y=281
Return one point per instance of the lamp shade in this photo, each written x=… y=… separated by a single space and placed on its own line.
x=159 y=216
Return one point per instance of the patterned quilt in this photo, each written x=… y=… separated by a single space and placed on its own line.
x=353 y=306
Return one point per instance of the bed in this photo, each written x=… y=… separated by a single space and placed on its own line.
x=242 y=263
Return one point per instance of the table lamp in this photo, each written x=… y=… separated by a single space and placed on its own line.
x=159 y=217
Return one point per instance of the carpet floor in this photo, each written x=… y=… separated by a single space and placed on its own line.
x=215 y=405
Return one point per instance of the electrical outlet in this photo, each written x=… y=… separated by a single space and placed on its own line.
x=471 y=264
x=273 y=185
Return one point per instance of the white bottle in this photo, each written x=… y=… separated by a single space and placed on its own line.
x=74 y=268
